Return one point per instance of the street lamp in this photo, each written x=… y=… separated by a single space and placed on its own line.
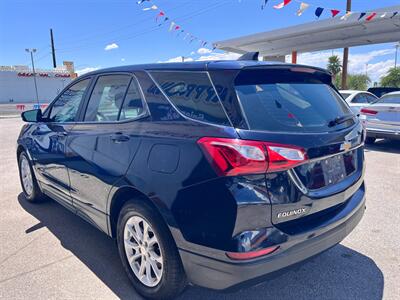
x=395 y=58
x=31 y=51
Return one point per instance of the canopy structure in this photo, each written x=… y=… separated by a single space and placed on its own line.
x=320 y=35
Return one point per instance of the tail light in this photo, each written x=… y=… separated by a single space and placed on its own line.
x=370 y=112
x=231 y=157
x=251 y=254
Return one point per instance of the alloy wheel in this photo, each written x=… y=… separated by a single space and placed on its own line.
x=143 y=252
x=26 y=176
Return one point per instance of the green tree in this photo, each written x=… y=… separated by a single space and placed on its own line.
x=358 y=82
x=334 y=66
x=392 y=78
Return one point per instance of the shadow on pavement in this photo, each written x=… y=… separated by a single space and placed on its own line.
x=389 y=146
x=339 y=273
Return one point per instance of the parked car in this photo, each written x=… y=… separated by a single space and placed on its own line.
x=382 y=118
x=358 y=99
x=208 y=173
x=380 y=91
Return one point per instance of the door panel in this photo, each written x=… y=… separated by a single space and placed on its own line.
x=49 y=157
x=100 y=155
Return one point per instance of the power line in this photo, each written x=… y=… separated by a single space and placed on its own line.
x=185 y=17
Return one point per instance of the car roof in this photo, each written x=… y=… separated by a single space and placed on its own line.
x=391 y=94
x=200 y=66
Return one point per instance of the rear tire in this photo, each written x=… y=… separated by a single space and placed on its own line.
x=144 y=239
x=29 y=184
x=370 y=140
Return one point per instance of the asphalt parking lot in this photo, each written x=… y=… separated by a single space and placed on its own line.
x=46 y=252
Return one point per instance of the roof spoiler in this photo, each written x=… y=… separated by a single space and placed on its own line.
x=249 y=56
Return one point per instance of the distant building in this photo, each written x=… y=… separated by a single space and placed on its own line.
x=17 y=84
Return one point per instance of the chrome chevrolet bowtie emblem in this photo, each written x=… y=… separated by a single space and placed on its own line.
x=345 y=146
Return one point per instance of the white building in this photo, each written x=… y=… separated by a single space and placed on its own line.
x=17 y=83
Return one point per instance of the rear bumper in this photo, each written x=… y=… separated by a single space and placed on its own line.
x=384 y=133
x=212 y=269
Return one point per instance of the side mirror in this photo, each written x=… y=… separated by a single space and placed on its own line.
x=34 y=115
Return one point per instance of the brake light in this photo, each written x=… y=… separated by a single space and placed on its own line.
x=251 y=254
x=370 y=112
x=231 y=157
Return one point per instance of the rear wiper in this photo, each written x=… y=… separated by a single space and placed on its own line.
x=340 y=120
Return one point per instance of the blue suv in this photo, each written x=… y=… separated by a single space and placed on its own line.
x=206 y=173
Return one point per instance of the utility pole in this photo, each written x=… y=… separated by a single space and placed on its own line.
x=395 y=57
x=31 y=51
x=345 y=55
x=53 y=51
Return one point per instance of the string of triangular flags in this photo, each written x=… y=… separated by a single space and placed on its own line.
x=161 y=18
x=364 y=15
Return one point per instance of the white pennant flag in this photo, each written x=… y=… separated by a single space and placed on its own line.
x=303 y=7
x=171 y=26
x=154 y=7
x=384 y=15
x=346 y=16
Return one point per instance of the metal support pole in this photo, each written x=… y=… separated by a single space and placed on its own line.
x=294 y=57
x=31 y=51
x=345 y=56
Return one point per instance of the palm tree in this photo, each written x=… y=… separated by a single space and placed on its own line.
x=334 y=66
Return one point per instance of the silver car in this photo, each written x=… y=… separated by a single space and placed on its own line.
x=382 y=118
x=358 y=99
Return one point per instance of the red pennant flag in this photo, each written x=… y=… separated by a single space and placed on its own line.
x=370 y=17
x=160 y=14
x=283 y=4
x=334 y=12
x=177 y=27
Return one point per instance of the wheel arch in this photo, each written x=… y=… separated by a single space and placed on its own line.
x=120 y=197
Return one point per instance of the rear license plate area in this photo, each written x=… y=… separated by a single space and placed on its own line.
x=328 y=171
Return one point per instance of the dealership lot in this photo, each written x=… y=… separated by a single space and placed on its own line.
x=47 y=252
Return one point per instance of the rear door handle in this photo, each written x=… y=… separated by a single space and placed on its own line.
x=119 y=137
x=62 y=133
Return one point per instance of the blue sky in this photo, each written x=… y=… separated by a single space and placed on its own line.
x=83 y=28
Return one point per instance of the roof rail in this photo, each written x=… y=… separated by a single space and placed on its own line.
x=249 y=56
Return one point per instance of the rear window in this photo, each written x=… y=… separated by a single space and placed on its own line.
x=193 y=95
x=390 y=99
x=280 y=100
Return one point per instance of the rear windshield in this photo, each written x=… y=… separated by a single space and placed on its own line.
x=287 y=101
x=390 y=99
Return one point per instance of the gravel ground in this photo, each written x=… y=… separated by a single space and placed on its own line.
x=46 y=252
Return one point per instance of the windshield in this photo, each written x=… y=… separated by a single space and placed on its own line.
x=390 y=99
x=345 y=95
x=299 y=105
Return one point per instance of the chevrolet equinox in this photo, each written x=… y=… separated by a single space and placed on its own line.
x=206 y=173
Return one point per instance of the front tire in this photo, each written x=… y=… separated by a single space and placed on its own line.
x=28 y=180
x=148 y=252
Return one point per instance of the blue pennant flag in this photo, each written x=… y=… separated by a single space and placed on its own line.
x=318 y=11
x=361 y=16
x=264 y=4
x=394 y=14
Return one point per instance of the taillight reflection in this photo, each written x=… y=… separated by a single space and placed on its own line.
x=367 y=111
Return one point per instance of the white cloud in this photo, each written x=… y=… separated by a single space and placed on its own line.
x=122 y=59
x=192 y=53
x=357 y=62
x=86 y=70
x=177 y=59
x=203 y=51
x=209 y=56
x=111 y=46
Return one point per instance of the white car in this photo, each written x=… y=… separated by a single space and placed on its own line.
x=382 y=118
x=358 y=99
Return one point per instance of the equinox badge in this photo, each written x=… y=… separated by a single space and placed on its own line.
x=290 y=213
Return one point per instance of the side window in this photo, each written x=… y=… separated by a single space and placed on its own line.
x=133 y=104
x=193 y=95
x=370 y=98
x=106 y=98
x=65 y=108
x=360 y=98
